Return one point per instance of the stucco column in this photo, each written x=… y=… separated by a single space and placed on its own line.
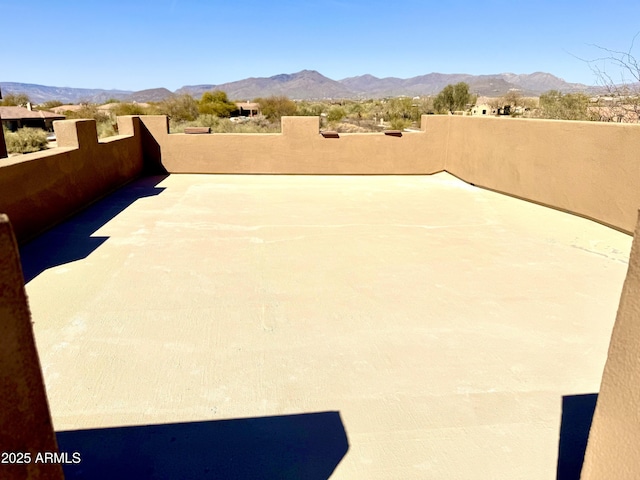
x=612 y=450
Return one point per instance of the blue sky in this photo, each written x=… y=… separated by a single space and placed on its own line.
x=139 y=44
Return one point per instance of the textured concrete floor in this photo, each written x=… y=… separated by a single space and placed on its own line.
x=437 y=326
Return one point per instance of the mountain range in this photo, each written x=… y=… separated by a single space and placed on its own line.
x=310 y=84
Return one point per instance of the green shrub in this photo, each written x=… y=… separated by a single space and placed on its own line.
x=216 y=103
x=336 y=114
x=276 y=107
x=26 y=140
x=399 y=123
x=15 y=99
x=179 y=108
x=88 y=111
x=122 y=109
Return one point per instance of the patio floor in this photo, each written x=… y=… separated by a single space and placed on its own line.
x=306 y=326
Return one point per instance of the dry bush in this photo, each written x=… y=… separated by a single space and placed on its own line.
x=349 y=128
x=26 y=140
x=258 y=124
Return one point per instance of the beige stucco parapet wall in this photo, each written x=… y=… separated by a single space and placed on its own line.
x=299 y=149
x=25 y=422
x=590 y=169
x=613 y=449
x=40 y=189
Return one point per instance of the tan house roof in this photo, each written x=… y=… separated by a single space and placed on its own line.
x=248 y=105
x=111 y=106
x=21 y=113
x=66 y=108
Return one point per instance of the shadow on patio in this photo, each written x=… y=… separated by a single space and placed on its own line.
x=577 y=414
x=72 y=240
x=306 y=446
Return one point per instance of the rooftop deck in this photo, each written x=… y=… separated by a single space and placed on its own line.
x=373 y=327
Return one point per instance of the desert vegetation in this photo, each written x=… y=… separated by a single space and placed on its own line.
x=14 y=100
x=26 y=140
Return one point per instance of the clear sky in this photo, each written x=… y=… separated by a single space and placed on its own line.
x=140 y=44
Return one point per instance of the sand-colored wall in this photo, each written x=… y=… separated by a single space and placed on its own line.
x=299 y=149
x=25 y=422
x=612 y=451
x=587 y=168
x=40 y=189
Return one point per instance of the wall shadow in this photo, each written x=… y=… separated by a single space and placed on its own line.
x=308 y=446
x=577 y=415
x=151 y=151
x=72 y=240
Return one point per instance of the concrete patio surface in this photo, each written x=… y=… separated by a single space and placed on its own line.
x=443 y=328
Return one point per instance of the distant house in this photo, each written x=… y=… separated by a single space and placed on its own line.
x=14 y=118
x=66 y=108
x=483 y=109
x=246 y=109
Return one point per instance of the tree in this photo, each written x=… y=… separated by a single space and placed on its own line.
x=513 y=98
x=276 y=107
x=622 y=87
x=179 y=108
x=570 y=106
x=216 y=103
x=452 y=98
x=15 y=100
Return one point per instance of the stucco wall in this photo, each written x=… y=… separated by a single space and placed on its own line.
x=299 y=149
x=588 y=168
x=40 y=189
x=612 y=451
x=25 y=423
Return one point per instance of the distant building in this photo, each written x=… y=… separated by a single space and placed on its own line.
x=14 y=118
x=66 y=108
x=246 y=109
x=483 y=109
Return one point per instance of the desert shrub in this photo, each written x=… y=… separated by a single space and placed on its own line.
x=399 y=123
x=104 y=122
x=50 y=104
x=258 y=124
x=106 y=129
x=216 y=103
x=307 y=109
x=15 y=100
x=26 y=140
x=336 y=114
x=179 y=108
x=122 y=109
x=568 y=106
x=349 y=128
x=88 y=111
x=276 y=107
